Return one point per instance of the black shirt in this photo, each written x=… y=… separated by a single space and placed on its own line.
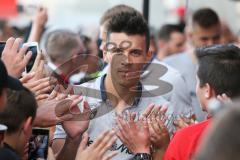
x=8 y=153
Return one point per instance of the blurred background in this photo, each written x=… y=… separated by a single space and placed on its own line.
x=85 y=14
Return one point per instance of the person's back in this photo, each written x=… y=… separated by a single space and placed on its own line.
x=18 y=116
x=218 y=73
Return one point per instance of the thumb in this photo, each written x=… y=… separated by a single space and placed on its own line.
x=86 y=107
x=50 y=154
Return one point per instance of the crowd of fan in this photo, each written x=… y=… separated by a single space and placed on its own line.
x=128 y=94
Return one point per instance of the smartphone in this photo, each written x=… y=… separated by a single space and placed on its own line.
x=38 y=144
x=32 y=46
x=2 y=45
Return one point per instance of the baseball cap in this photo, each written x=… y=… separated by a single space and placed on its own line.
x=7 y=81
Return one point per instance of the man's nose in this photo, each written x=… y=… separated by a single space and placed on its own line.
x=126 y=59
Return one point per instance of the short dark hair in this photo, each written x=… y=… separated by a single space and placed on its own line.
x=219 y=66
x=130 y=23
x=166 y=31
x=20 y=105
x=205 y=18
x=108 y=14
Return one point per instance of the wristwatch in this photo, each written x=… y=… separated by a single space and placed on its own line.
x=142 y=156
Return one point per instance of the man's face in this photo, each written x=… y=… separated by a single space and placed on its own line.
x=176 y=43
x=204 y=37
x=126 y=54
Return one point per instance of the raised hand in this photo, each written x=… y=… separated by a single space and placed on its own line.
x=77 y=127
x=97 y=150
x=135 y=135
x=159 y=135
x=14 y=57
x=38 y=67
x=183 y=122
x=223 y=98
x=39 y=22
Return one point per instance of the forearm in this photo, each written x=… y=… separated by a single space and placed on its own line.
x=36 y=33
x=69 y=149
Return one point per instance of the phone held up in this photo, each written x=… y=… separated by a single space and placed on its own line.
x=38 y=144
x=32 y=46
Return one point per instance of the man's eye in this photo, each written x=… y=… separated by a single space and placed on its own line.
x=136 y=53
x=117 y=50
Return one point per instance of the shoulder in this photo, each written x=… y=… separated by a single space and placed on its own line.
x=175 y=57
x=7 y=154
x=185 y=141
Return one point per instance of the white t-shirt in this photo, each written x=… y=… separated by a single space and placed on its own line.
x=93 y=92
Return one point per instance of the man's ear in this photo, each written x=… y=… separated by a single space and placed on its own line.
x=149 y=55
x=209 y=91
x=27 y=126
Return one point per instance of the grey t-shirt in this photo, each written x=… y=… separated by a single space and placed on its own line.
x=177 y=94
x=183 y=63
x=106 y=120
x=171 y=83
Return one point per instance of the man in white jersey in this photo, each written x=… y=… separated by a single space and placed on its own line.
x=120 y=89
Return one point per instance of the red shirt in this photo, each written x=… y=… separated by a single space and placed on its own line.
x=184 y=143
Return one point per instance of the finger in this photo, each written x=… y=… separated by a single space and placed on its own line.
x=155 y=111
x=86 y=106
x=164 y=109
x=148 y=110
x=65 y=117
x=74 y=108
x=100 y=139
x=144 y=123
x=62 y=107
x=26 y=59
x=122 y=132
x=65 y=92
x=43 y=84
x=8 y=46
x=123 y=124
x=41 y=97
x=155 y=126
x=16 y=45
x=132 y=116
x=50 y=154
x=54 y=92
x=110 y=156
x=107 y=142
x=83 y=144
x=45 y=90
x=27 y=77
x=37 y=61
x=40 y=68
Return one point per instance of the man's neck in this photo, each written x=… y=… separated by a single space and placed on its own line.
x=119 y=96
x=192 y=55
x=161 y=54
x=13 y=141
